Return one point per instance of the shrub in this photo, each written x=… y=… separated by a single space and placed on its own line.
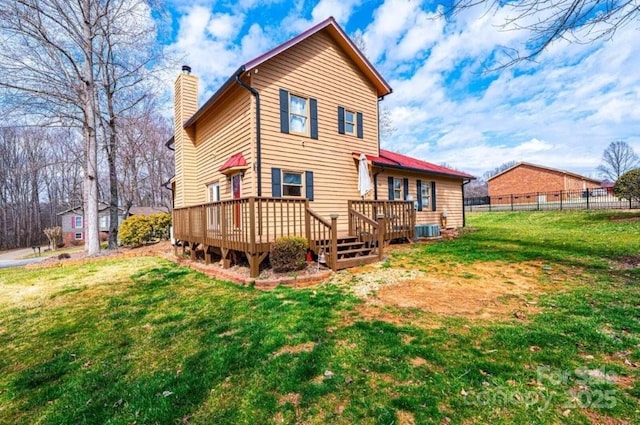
x=288 y=254
x=54 y=234
x=628 y=185
x=135 y=230
x=160 y=224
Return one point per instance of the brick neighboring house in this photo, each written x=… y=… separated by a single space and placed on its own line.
x=530 y=178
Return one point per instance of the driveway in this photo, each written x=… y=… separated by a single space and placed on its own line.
x=15 y=258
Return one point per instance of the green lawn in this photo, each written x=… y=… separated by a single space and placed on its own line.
x=145 y=341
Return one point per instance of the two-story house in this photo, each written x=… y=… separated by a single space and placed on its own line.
x=278 y=150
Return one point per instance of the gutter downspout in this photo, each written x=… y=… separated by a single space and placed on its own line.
x=464 y=216
x=375 y=183
x=255 y=94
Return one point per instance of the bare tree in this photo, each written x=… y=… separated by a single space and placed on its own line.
x=617 y=159
x=126 y=46
x=499 y=169
x=50 y=45
x=581 y=21
x=386 y=127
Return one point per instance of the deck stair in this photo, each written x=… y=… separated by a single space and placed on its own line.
x=351 y=251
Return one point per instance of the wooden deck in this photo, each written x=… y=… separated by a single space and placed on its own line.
x=249 y=225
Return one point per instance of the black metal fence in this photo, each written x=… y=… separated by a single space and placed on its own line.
x=592 y=199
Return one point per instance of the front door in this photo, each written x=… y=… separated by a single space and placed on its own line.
x=235 y=190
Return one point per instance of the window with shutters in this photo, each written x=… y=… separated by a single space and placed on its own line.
x=298 y=114
x=397 y=189
x=425 y=191
x=77 y=223
x=291 y=183
x=350 y=122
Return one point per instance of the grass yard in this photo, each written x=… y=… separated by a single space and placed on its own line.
x=532 y=318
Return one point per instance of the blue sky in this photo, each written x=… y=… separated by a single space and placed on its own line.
x=560 y=111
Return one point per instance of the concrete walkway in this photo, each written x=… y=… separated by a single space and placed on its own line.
x=15 y=258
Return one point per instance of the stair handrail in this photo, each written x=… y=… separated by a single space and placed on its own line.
x=319 y=229
x=358 y=220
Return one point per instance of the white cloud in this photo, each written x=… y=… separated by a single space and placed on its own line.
x=225 y=26
x=560 y=111
x=255 y=42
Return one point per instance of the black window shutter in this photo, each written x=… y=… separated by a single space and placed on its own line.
x=433 y=196
x=340 y=120
x=284 y=111
x=276 y=183
x=218 y=192
x=313 y=109
x=308 y=181
x=406 y=188
x=359 y=122
x=390 y=180
x=419 y=197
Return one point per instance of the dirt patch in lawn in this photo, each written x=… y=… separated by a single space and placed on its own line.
x=493 y=290
x=305 y=347
x=629 y=262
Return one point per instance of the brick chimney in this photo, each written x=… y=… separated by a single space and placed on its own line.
x=185 y=105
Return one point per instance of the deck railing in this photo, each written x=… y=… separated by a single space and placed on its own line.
x=245 y=224
x=369 y=231
x=322 y=236
x=399 y=217
x=251 y=224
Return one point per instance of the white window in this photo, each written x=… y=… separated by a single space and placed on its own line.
x=77 y=236
x=213 y=192
x=213 y=212
x=291 y=183
x=104 y=221
x=298 y=114
x=349 y=122
x=397 y=189
x=425 y=190
x=77 y=222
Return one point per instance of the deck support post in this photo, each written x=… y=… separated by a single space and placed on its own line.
x=192 y=250
x=254 y=262
x=334 y=241
x=226 y=261
x=381 y=230
x=207 y=255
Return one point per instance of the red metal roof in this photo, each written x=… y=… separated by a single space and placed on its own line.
x=236 y=160
x=396 y=160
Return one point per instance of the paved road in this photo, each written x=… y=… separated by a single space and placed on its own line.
x=15 y=258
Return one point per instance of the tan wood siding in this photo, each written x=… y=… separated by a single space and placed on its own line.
x=448 y=196
x=222 y=132
x=186 y=104
x=319 y=69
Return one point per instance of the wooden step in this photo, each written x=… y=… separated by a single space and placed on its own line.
x=344 y=240
x=346 y=263
x=352 y=252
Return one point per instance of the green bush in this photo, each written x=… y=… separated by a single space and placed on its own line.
x=288 y=254
x=628 y=185
x=135 y=230
x=160 y=224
